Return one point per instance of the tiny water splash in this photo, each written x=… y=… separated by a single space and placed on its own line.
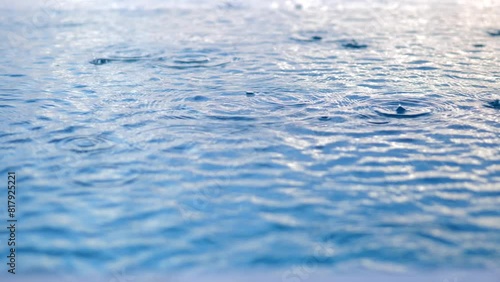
x=400 y=110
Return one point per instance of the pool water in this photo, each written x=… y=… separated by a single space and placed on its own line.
x=170 y=136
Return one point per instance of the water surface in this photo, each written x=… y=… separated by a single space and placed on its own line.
x=223 y=136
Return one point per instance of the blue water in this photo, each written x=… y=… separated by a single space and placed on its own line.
x=219 y=136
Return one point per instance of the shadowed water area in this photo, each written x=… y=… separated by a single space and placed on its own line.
x=238 y=136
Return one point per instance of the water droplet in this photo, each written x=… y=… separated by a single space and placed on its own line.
x=400 y=110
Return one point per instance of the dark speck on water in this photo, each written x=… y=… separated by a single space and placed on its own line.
x=250 y=94
x=13 y=75
x=353 y=44
x=199 y=98
x=494 y=32
x=479 y=45
x=100 y=61
x=307 y=38
x=494 y=104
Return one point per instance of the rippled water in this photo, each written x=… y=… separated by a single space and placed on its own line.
x=226 y=136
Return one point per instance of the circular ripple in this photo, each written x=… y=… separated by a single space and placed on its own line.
x=127 y=55
x=402 y=109
x=289 y=105
x=192 y=59
x=382 y=110
x=83 y=144
x=111 y=175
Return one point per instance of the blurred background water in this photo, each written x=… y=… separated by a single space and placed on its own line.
x=174 y=136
